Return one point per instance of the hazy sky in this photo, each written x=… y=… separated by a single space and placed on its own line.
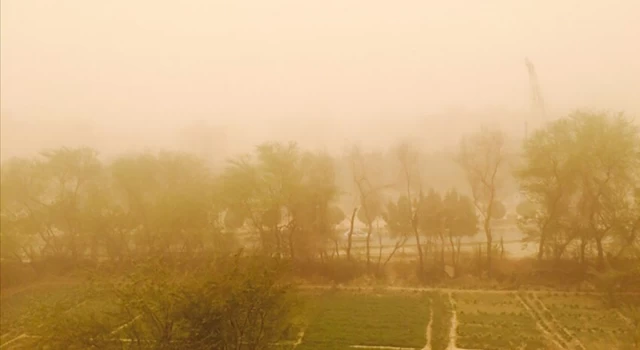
x=155 y=64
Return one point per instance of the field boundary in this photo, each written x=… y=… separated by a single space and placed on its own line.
x=545 y=311
x=453 y=328
x=21 y=336
x=429 y=326
x=380 y=347
x=545 y=326
x=546 y=332
x=445 y=290
x=125 y=325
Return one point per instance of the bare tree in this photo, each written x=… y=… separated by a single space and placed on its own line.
x=369 y=198
x=482 y=155
x=408 y=158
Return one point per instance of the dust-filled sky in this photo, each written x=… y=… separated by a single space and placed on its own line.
x=134 y=73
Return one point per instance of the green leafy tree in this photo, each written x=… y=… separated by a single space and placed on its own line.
x=460 y=220
x=398 y=222
x=286 y=196
x=547 y=179
x=168 y=199
x=69 y=175
x=498 y=211
x=432 y=219
x=526 y=209
x=22 y=210
x=581 y=172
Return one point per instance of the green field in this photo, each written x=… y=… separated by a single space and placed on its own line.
x=344 y=319
x=495 y=321
x=587 y=321
x=337 y=320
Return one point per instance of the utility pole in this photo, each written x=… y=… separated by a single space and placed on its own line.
x=537 y=102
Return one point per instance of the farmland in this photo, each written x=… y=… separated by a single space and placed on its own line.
x=392 y=318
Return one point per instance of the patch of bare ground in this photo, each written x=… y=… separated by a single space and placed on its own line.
x=378 y=289
x=429 y=328
x=380 y=347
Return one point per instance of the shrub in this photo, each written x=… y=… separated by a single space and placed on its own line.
x=223 y=304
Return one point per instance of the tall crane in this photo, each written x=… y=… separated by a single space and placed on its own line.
x=537 y=102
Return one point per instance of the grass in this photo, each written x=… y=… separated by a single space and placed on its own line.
x=495 y=321
x=338 y=319
x=588 y=319
x=334 y=319
x=24 y=310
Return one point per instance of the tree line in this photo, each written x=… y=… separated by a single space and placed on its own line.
x=579 y=177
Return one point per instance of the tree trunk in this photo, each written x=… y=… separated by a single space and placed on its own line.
x=487 y=231
x=278 y=241
x=418 y=245
x=583 y=246
x=379 y=250
x=543 y=238
x=453 y=253
x=442 y=245
x=291 y=248
x=395 y=249
x=369 y=232
x=350 y=235
x=600 y=252
x=458 y=245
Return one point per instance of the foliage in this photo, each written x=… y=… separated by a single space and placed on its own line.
x=526 y=209
x=432 y=215
x=581 y=173
x=498 y=211
x=287 y=197
x=397 y=217
x=233 y=302
x=67 y=203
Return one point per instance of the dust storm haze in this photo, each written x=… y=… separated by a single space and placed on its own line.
x=128 y=75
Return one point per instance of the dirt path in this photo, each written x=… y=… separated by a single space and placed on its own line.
x=380 y=347
x=443 y=290
x=454 y=324
x=18 y=338
x=574 y=342
x=453 y=328
x=119 y=328
x=429 y=326
x=551 y=328
x=551 y=337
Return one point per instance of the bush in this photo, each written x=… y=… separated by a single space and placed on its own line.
x=220 y=305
